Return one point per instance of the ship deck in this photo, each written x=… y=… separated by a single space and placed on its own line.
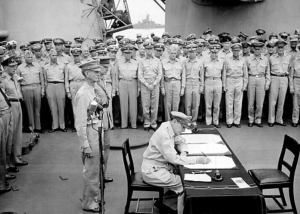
x=57 y=154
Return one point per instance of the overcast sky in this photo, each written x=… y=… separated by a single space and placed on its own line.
x=140 y=8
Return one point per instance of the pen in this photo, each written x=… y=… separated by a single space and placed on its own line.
x=203 y=154
x=201 y=171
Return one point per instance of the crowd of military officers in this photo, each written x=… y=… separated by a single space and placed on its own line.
x=208 y=78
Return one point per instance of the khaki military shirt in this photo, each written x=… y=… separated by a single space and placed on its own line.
x=11 y=87
x=150 y=71
x=294 y=73
x=31 y=73
x=259 y=66
x=212 y=68
x=73 y=73
x=55 y=72
x=174 y=69
x=279 y=65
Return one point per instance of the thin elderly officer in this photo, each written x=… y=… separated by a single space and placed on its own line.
x=73 y=78
x=150 y=74
x=235 y=80
x=55 y=90
x=127 y=87
x=13 y=91
x=166 y=150
x=87 y=123
x=279 y=69
x=33 y=89
x=258 y=83
x=294 y=83
x=173 y=81
x=212 y=75
x=194 y=83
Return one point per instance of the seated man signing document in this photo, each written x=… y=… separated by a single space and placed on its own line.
x=168 y=149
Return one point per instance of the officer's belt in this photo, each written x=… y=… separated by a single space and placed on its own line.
x=32 y=85
x=55 y=82
x=128 y=80
x=14 y=100
x=212 y=78
x=5 y=111
x=279 y=75
x=167 y=79
x=76 y=80
x=192 y=79
x=234 y=77
x=257 y=76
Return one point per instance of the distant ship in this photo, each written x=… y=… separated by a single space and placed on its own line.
x=147 y=24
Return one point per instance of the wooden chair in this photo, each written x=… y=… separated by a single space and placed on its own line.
x=135 y=181
x=277 y=179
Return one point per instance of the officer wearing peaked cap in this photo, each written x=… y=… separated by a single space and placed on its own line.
x=260 y=32
x=48 y=46
x=191 y=37
x=168 y=149
x=78 y=39
x=292 y=49
x=119 y=37
x=284 y=35
x=61 y=56
x=11 y=46
x=243 y=37
x=97 y=40
x=93 y=51
x=271 y=47
x=67 y=47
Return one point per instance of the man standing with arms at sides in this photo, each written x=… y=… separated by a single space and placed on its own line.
x=55 y=90
x=61 y=56
x=172 y=82
x=258 y=83
x=167 y=148
x=292 y=51
x=294 y=81
x=194 y=83
x=279 y=69
x=87 y=123
x=127 y=87
x=149 y=74
x=12 y=89
x=33 y=89
x=213 y=70
x=235 y=80
x=73 y=78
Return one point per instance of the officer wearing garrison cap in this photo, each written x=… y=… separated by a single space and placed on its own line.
x=150 y=74
x=73 y=78
x=61 y=56
x=258 y=83
x=235 y=80
x=166 y=150
x=87 y=123
x=33 y=88
x=279 y=68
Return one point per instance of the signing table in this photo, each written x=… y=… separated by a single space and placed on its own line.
x=221 y=196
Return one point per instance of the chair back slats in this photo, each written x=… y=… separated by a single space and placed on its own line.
x=128 y=162
x=294 y=147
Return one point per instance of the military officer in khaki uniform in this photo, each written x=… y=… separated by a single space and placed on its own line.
x=149 y=74
x=67 y=48
x=61 y=56
x=13 y=91
x=294 y=83
x=48 y=46
x=258 y=83
x=73 y=78
x=194 y=83
x=55 y=89
x=38 y=55
x=127 y=87
x=33 y=89
x=279 y=69
x=173 y=81
x=235 y=80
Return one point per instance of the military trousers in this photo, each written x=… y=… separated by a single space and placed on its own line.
x=2 y=156
x=17 y=132
x=256 y=93
x=277 y=93
x=56 y=95
x=32 y=95
x=128 y=99
x=172 y=97
x=234 y=99
x=150 y=101
x=109 y=90
x=7 y=120
x=213 y=95
x=192 y=98
x=296 y=100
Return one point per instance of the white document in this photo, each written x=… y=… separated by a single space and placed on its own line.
x=208 y=149
x=240 y=182
x=217 y=162
x=202 y=138
x=187 y=131
x=197 y=177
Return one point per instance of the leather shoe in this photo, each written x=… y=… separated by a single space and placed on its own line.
x=259 y=125
x=294 y=124
x=250 y=124
x=108 y=179
x=281 y=124
x=237 y=125
x=41 y=131
x=229 y=125
x=217 y=126
x=7 y=189
x=153 y=128
x=13 y=169
x=23 y=163
x=146 y=128
x=9 y=177
x=52 y=130
x=63 y=130
x=271 y=124
x=74 y=130
x=95 y=210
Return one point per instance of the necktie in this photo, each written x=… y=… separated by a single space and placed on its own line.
x=5 y=97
